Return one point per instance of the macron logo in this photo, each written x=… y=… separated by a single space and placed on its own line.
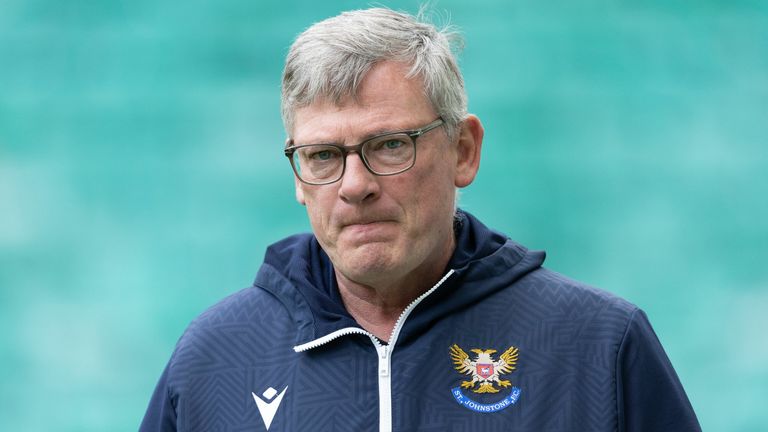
x=269 y=409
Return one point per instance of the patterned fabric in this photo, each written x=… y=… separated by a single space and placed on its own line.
x=545 y=354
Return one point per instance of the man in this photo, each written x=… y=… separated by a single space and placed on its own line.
x=400 y=312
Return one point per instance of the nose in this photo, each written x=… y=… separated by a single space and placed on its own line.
x=358 y=184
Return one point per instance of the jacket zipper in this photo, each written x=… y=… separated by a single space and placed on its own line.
x=384 y=352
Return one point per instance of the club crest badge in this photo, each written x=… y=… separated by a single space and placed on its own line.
x=485 y=378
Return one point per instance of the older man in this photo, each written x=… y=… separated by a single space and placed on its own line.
x=400 y=312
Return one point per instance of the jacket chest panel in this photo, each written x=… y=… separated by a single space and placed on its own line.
x=473 y=372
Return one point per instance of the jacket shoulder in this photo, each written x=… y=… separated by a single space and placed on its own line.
x=231 y=333
x=591 y=316
x=229 y=336
x=571 y=296
x=247 y=306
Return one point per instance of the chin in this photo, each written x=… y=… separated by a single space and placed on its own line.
x=367 y=261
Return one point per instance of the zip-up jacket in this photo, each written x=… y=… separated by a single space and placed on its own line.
x=498 y=344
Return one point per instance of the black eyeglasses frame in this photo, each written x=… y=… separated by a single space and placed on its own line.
x=413 y=134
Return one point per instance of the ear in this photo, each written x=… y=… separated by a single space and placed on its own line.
x=468 y=151
x=299 y=191
x=297 y=184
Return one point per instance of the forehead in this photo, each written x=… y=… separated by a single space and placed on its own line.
x=386 y=100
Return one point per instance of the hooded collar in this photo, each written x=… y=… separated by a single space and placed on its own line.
x=299 y=273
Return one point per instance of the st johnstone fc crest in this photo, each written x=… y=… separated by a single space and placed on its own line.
x=485 y=377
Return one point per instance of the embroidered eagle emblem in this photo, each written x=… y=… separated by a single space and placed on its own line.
x=484 y=370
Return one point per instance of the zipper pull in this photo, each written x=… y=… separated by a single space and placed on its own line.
x=384 y=360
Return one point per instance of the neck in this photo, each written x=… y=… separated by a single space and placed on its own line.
x=377 y=306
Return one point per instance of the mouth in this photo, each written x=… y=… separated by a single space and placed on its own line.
x=363 y=224
x=367 y=228
x=364 y=220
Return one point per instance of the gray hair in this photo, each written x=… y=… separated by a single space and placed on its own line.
x=330 y=59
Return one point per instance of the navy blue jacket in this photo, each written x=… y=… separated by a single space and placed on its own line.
x=500 y=344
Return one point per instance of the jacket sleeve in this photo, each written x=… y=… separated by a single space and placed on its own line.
x=649 y=394
x=161 y=413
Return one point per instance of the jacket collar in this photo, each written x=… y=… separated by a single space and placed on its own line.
x=299 y=273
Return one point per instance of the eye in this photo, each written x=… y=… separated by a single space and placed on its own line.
x=321 y=155
x=387 y=145
x=392 y=144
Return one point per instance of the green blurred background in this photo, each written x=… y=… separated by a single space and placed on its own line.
x=141 y=178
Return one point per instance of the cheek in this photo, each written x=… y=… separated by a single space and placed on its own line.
x=314 y=210
x=434 y=183
x=430 y=196
x=319 y=208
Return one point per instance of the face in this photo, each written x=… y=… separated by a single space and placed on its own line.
x=382 y=228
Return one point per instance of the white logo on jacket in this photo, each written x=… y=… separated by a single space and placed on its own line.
x=269 y=409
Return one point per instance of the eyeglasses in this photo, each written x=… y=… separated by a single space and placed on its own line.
x=384 y=155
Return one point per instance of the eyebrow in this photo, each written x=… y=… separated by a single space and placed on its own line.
x=366 y=137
